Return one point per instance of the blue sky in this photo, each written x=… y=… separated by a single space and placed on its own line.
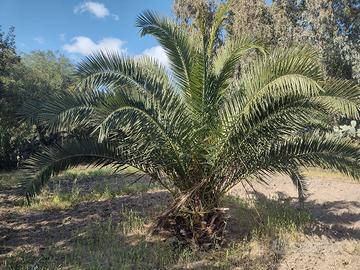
x=77 y=27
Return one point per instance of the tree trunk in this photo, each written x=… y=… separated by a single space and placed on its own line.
x=195 y=221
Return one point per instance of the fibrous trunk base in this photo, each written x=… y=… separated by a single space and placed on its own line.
x=201 y=229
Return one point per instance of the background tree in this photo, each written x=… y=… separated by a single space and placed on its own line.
x=11 y=133
x=187 y=10
x=31 y=76
x=335 y=29
x=45 y=73
x=250 y=18
x=332 y=26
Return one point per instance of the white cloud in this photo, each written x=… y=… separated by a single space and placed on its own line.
x=96 y=8
x=158 y=53
x=85 y=46
x=39 y=40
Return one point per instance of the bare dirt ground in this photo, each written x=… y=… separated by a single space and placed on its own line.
x=20 y=227
x=334 y=243
x=335 y=203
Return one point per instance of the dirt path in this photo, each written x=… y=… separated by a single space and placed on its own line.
x=335 y=203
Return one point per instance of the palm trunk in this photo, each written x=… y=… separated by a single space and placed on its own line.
x=195 y=220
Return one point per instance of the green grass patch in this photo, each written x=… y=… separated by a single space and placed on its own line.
x=9 y=179
x=102 y=191
x=81 y=172
x=77 y=185
x=270 y=218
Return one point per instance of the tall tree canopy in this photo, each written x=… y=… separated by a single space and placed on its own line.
x=332 y=26
x=10 y=100
x=30 y=76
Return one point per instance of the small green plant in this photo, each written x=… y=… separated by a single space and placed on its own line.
x=132 y=222
x=103 y=191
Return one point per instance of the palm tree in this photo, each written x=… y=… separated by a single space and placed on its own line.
x=195 y=127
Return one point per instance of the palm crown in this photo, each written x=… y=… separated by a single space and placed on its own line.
x=195 y=127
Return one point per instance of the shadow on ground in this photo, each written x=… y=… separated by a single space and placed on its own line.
x=336 y=220
x=43 y=227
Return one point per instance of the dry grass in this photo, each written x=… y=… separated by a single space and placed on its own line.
x=259 y=232
x=329 y=175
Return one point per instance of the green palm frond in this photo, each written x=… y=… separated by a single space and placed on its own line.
x=219 y=18
x=339 y=97
x=111 y=70
x=53 y=160
x=63 y=111
x=173 y=40
x=140 y=124
x=314 y=150
x=293 y=73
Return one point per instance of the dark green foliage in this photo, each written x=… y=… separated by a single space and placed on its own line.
x=330 y=26
x=31 y=76
x=12 y=136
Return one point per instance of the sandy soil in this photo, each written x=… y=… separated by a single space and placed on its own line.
x=335 y=202
x=333 y=244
